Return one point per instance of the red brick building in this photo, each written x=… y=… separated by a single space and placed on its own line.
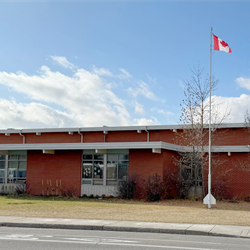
x=92 y=160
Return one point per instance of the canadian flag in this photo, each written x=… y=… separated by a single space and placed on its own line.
x=221 y=45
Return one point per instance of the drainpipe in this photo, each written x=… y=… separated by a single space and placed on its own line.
x=20 y=133
x=147 y=134
x=105 y=134
x=80 y=135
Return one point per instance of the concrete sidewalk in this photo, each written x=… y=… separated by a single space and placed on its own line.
x=129 y=226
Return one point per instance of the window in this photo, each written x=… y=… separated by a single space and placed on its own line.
x=93 y=166
x=104 y=169
x=17 y=165
x=2 y=168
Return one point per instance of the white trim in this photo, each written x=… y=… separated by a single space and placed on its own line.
x=118 y=128
x=119 y=145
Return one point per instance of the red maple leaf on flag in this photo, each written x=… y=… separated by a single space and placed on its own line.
x=224 y=44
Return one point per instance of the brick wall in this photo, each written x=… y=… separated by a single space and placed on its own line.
x=229 y=177
x=63 y=165
x=12 y=139
x=232 y=136
x=53 y=138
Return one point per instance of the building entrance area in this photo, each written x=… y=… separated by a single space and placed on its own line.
x=102 y=170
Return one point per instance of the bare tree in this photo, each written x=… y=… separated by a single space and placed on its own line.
x=194 y=133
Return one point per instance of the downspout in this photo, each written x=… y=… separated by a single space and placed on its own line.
x=147 y=134
x=80 y=135
x=20 y=133
x=105 y=133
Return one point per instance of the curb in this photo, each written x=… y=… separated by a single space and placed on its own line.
x=118 y=229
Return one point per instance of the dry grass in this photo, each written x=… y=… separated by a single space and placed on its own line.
x=173 y=211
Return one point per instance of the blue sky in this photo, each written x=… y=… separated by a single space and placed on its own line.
x=95 y=63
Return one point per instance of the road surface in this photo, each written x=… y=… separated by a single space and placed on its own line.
x=27 y=238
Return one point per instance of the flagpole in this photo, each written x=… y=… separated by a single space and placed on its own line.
x=209 y=154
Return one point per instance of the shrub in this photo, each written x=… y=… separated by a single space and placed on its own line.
x=220 y=190
x=154 y=188
x=69 y=192
x=22 y=188
x=127 y=188
x=171 y=184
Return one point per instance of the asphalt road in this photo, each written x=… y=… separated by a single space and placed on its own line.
x=25 y=238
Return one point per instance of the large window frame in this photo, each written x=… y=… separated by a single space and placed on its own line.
x=104 y=169
x=13 y=166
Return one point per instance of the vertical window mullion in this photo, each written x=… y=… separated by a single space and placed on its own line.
x=105 y=169
x=117 y=164
x=6 y=169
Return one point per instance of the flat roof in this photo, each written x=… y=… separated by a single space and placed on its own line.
x=113 y=128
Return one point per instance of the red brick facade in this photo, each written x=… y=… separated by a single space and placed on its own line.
x=229 y=173
x=63 y=166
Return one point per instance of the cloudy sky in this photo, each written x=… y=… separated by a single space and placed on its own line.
x=95 y=63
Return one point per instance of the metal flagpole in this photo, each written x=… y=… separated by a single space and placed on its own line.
x=209 y=199
x=209 y=170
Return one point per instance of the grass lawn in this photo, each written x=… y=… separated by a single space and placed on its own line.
x=174 y=211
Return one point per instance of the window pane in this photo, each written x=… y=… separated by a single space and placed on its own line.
x=123 y=157
x=112 y=158
x=112 y=183
x=98 y=170
x=98 y=182
x=111 y=170
x=22 y=157
x=12 y=157
x=22 y=165
x=86 y=182
x=122 y=170
x=2 y=173
x=2 y=164
x=87 y=157
x=21 y=174
x=2 y=157
x=12 y=173
x=13 y=164
x=98 y=157
x=87 y=169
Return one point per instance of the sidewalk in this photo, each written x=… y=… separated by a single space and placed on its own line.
x=128 y=226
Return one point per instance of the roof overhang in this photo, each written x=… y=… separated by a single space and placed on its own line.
x=120 y=145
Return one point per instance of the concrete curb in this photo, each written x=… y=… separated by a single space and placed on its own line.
x=127 y=226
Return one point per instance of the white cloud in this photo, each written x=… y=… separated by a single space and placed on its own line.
x=243 y=82
x=144 y=121
x=163 y=112
x=102 y=71
x=144 y=90
x=84 y=95
x=237 y=105
x=124 y=74
x=139 y=108
x=32 y=115
x=61 y=60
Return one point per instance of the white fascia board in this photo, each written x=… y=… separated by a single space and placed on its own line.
x=119 y=128
x=80 y=146
x=119 y=145
x=221 y=149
